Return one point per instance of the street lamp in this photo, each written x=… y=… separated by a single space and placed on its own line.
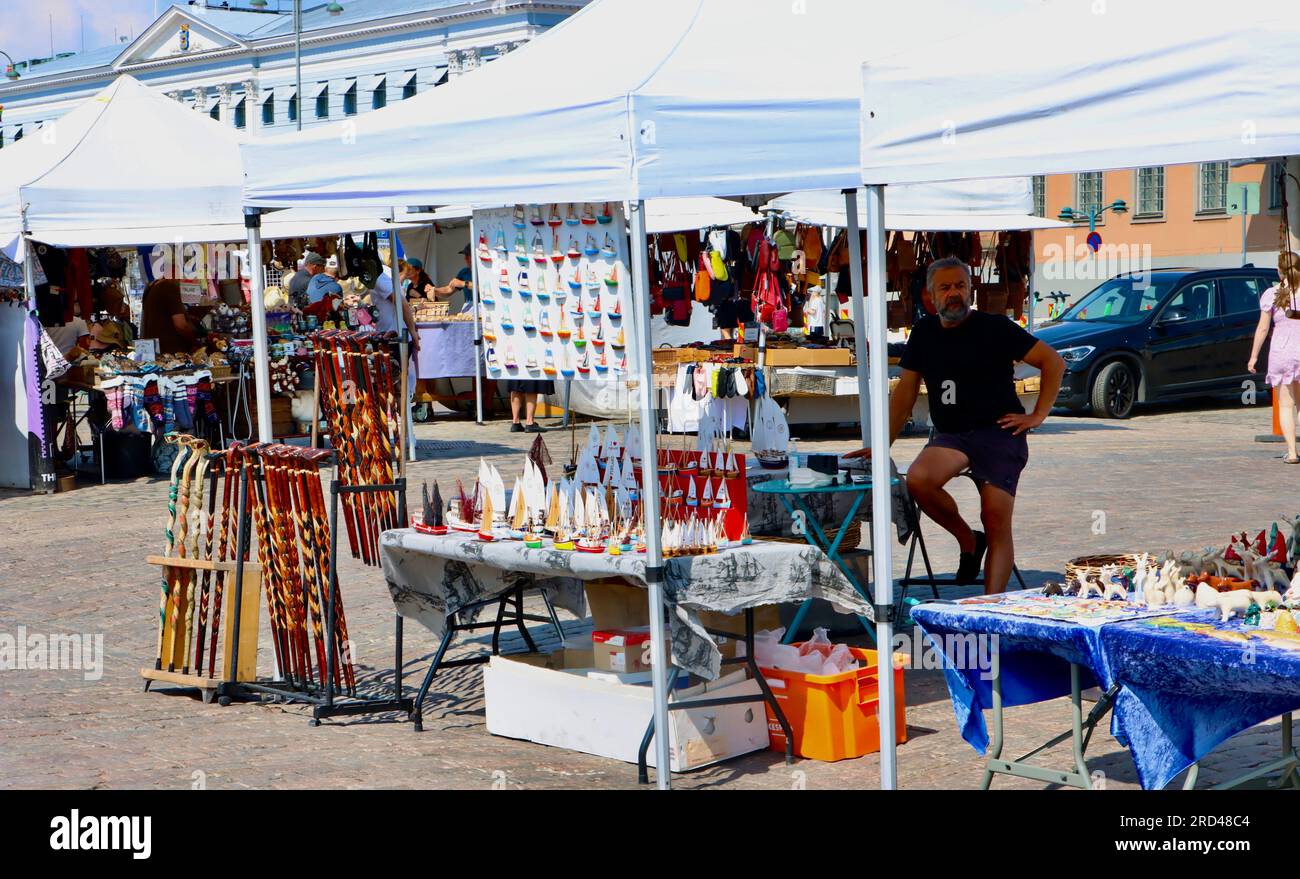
x=334 y=9
x=11 y=72
x=1070 y=215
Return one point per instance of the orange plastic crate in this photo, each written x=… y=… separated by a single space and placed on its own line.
x=835 y=717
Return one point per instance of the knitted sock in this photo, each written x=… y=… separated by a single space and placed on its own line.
x=181 y=409
x=203 y=396
x=135 y=405
x=114 y=395
x=192 y=392
x=167 y=392
x=153 y=402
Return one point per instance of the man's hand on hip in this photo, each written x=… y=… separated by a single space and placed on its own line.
x=1018 y=424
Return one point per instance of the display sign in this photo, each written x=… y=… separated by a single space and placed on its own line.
x=554 y=290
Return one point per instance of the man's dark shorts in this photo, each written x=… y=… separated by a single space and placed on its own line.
x=996 y=456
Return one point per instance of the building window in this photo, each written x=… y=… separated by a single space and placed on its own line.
x=1212 y=188
x=408 y=90
x=293 y=108
x=268 y=111
x=1040 y=196
x=350 y=101
x=1150 y=191
x=1273 y=177
x=379 y=97
x=18 y=135
x=241 y=114
x=1087 y=192
x=215 y=112
x=323 y=103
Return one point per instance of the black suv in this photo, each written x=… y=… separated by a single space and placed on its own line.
x=1159 y=335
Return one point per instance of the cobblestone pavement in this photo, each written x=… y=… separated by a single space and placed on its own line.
x=73 y=563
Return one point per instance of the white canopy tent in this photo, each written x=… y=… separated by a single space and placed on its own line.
x=967 y=206
x=684 y=107
x=1195 y=88
x=130 y=167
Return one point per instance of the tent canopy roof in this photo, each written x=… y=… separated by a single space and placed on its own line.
x=131 y=166
x=1196 y=87
x=624 y=100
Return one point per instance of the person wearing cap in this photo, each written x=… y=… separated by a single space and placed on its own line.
x=311 y=265
x=325 y=282
x=463 y=282
x=415 y=281
x=107 y=337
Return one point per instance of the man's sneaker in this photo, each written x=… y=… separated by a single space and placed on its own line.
x=972 y=563
x=516 y=428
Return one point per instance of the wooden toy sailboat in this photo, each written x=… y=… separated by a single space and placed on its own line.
x=690 y=465
x=465 y=515
x=731 y=469
x=433 y=521
x=745 y=538
x=552 y=521
x=692 y=499
x=706 y=499
x=771 y=436
x=517 y=514
x=722 y=501
x=485 y=525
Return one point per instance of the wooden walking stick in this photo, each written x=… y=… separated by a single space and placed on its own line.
x=181 y=576
x=270 y=570
x=287 y=534
x=182 y=454
x=210 y=531
x=344 y=659
x=232 y=473
x=298 y=472
x=201 y=449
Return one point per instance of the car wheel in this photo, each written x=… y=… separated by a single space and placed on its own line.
x=1114 y=390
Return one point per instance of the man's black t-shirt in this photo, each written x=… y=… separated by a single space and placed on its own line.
x=968 y=369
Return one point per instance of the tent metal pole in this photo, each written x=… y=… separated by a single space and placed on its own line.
x=407 y=433
x=478 y=325
x=882 y=495
x=257 y=308
x=865 y=396
x=1029 y=285
x=650 y=495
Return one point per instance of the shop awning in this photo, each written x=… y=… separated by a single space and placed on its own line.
x=967 y=206
x=1198 y=82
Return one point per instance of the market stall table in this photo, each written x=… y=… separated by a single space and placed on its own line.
x=433 y=577
x=446 y=349
x=1176 y=695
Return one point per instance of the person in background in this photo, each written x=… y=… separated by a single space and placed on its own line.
x=386 y=320
x=164 y=317
x=523 y=401
x=415 y=281
x=114 y=306
x=325 y=281
x=65 y=337
x=1280 y=308
x=463 y=282
x=311 y=265
x=967 y=360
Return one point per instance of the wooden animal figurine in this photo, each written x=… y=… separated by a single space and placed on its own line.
x=1086 y=587
x=1258 y=568
x=1053 y=588
x=1234 y=603
x=1293 y=593
x=1267 y=598
x=1113 y=590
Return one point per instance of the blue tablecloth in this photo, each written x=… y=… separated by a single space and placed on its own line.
x=1181 y=694
x=446 y=349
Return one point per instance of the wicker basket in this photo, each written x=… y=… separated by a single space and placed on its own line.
x=431 y=311
x=1091 y=565
x=852 y=537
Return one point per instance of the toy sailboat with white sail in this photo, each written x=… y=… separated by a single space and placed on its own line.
x=771 y=436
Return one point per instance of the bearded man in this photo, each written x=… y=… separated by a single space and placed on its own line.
x=967 y=360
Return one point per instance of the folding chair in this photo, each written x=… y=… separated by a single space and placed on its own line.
x=917 y=540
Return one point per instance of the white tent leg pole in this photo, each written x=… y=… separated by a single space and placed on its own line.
x=650 y=496
x=478 y=326
x=261 y=351
x=882 y=497
x=1029 y=285
x=865 y=396
x=407 y=432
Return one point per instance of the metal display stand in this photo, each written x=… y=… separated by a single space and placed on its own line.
x=240 y=676
x=765 y=696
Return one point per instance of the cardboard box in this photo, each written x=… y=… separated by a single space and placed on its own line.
x=622 y=650
x=552 y=701
x=798 y=356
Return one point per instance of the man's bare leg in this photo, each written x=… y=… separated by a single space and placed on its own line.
x=996 y=509
x=930 y=472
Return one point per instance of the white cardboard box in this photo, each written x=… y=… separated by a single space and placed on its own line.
x=564 y=708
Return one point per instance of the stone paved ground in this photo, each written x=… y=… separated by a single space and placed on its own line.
x=1175 y=477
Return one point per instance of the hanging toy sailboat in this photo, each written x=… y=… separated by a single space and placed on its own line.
x=599 y=339
x=484 y=252
x=689 y=465
x=588 y=216
x=706 y=500
x=525 y=287
x=528 y=323
x=617 y=343
x=503 y=281
x=601 y=364
x=732 y=468
x=518 y=218
x=544 y=328
x=571 y=215
x=563 y=330
x=607 y=248
x=566 y=367
x=539 y=255
x=579 y=339
x=489 y=333
x=616 y=314
x=592 y=281
x=745 y=537
x=605 y=217
x=611 y=280
x=574 y=252
x=500 y=242
x=521 y=250
x=692 y=499
x=535 y=215
x=584 y=365
x=575 y=280
x=557 y=255
x=554 y=220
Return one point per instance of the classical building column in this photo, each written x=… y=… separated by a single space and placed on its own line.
x=472 y=59
x=223 y=102
x=252 y=109
x=455 y=63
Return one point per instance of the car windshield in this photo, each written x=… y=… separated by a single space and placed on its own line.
x=1121 y=300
